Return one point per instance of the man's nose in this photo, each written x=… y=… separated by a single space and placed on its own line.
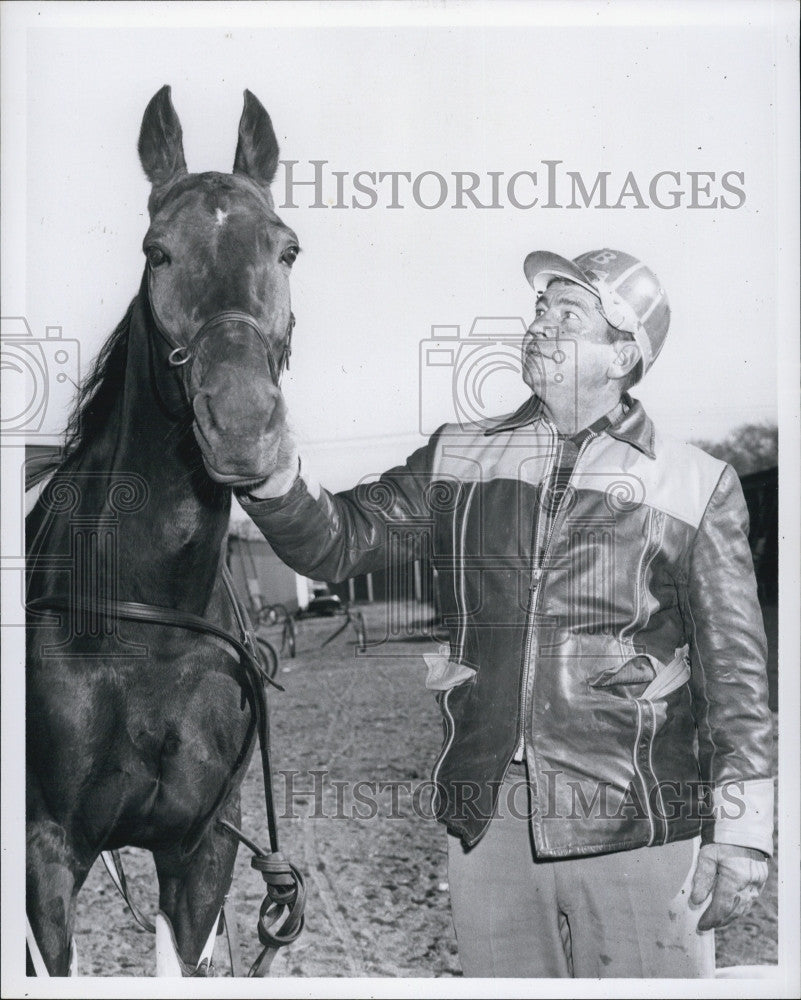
x=543 y=329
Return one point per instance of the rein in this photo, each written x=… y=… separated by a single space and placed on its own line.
x=286 y=892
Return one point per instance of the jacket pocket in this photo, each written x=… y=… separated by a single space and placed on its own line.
x=640 y=670
x=645 y=676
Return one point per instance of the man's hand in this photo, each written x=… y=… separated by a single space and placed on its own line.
x=277 y=483
x=285 y=471
x=734 y=876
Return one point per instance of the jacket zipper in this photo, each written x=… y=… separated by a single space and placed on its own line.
x=534 y=591
x=458 y=575
x=520 y=748
x=533 y=588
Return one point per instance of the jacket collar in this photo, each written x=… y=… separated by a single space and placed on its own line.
x=634 y=427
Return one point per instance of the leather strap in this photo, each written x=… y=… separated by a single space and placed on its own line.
x=285 y=898
x=155 y=615
x=181 y=355
x=113 y=862
x=286 y=893
x=232 y=938
x=254 y=671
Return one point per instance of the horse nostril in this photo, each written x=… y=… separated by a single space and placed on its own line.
x=203 y=410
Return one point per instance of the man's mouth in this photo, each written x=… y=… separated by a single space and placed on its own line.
x=557 y=355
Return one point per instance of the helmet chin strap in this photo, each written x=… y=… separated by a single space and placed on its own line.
x=621 y=316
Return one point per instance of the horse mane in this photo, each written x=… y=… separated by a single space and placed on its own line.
x=99 y=391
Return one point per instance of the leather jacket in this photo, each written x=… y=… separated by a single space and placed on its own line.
x=624 y=653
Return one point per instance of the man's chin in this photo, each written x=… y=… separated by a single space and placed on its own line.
x=543 y=385
x=535 y=380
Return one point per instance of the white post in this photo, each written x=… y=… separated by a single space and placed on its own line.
x=302 y=590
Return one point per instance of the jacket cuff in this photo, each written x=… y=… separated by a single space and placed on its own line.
x=274 y=487
x=278 y=494
x=743 y=813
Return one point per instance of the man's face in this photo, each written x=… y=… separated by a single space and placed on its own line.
x=566 y=349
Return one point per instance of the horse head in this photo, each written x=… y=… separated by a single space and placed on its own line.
x=218 y=265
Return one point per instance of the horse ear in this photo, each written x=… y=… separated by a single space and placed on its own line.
x=161 y=147
x=257 y=149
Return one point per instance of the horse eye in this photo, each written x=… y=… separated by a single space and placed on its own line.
x=290 y=255
x=156 y=256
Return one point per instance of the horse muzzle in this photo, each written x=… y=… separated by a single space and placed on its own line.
x=240 y=417
x=231 y=375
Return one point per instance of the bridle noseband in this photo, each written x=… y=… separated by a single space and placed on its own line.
x=180 y=354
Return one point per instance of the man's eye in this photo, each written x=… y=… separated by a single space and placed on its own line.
x=156 y=256
x=290 y=255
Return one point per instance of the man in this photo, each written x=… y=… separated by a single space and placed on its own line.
x=604 y=695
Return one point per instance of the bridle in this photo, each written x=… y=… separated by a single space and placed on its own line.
x=183 y=355
x=180 y=355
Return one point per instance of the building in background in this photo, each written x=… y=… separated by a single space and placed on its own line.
x=259 y=575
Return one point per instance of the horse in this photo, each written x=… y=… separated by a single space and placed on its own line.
x=143 y=694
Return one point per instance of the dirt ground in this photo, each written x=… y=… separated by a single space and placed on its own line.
x=377 y=887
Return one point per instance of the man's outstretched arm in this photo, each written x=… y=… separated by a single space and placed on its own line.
x=333 y=537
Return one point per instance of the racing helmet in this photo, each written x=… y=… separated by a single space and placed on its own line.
x=632 y=298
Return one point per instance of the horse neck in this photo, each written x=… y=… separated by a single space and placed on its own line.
x=144 y=477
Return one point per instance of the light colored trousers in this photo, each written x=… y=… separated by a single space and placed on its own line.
x=623 y=914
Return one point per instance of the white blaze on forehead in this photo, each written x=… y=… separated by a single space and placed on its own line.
x=221 y=216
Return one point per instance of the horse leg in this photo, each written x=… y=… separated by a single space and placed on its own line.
x=54 y=874
x=192 y=892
